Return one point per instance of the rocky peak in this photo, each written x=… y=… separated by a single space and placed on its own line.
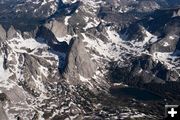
x=79 y=62
x=62 y=59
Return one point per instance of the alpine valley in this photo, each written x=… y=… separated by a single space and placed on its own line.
x=88 y=59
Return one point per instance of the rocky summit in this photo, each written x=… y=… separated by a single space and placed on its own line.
x=88 y=59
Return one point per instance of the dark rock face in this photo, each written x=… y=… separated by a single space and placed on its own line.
x=38 y=65
x=159 y=23
x=24 y=11
x=143 y=70
x=133 y=32
x=121 y=20
x=3 y=97
x=54 y=58
x=44 y=35
x=178 y=45
x=173 y=3
x=47 y=36
x=146 y=74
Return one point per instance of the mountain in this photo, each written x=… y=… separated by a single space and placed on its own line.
x=89 y=60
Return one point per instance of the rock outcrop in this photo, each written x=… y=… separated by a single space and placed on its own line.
x=55 y=55
x=79 y=62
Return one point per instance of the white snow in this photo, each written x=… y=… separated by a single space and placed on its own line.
x=66 y=38
x=83 y=79
x=167 y=59
x=138 y=115
x=44 y=2
x=86 y=19
x=69 y=1
x=171 y=37
x=163 y=58
x=66 y=20
x=21 y=45
x=86 y=80
x=166 y=44
x=4 y=75
x=113 y=49
x=90 y=25
x=119 y=84
x=149 y=38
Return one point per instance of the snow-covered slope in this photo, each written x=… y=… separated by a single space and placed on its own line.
x=63 y=60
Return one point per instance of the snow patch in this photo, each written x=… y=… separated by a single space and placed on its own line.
x=66 y=20
x=66 y=38
x=4 y=76
x=166 y=44
x=86 y=80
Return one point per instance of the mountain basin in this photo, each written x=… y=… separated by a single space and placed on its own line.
x=136 y=93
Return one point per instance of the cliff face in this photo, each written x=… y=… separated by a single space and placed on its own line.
x=42 y=65
x=62 y=59
x=79 y=62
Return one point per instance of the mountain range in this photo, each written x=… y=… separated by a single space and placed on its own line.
x=88 y=59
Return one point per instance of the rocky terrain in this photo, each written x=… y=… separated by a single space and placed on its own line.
x=88 y=59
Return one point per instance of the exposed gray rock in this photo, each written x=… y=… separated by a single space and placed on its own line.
x=147 y=6
x=2 y=34
x=58 y=28
x=31 y=33
x=144 y=70
x=79 y=61
x=11 y=33
x=2 y=113
x=167 y=44
x=59 y=80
